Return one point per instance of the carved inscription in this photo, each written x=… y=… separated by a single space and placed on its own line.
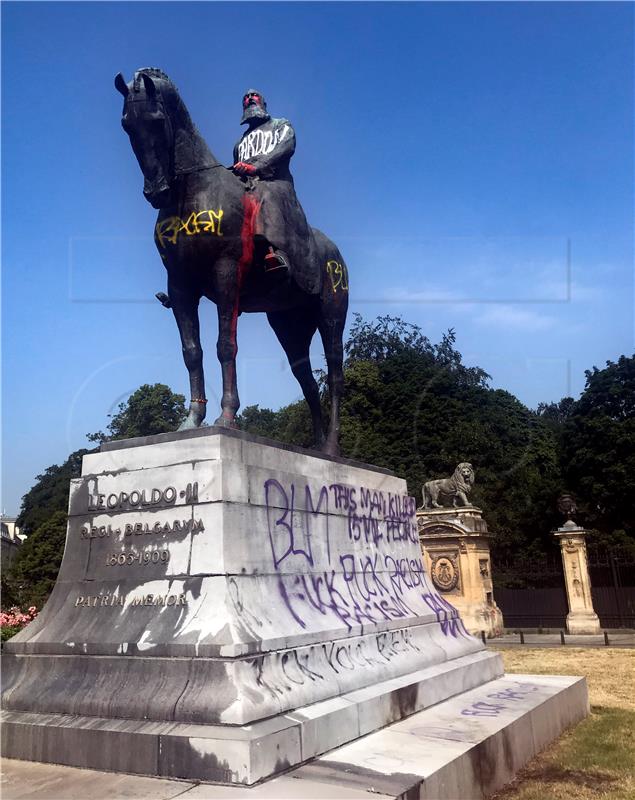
x=130 y=601
x=154 y=499
x=142 y=498
x=133 y=556
x=140 y=555
x=140 y=528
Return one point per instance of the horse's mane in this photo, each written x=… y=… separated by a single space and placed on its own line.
x=168 y=91
x=152 y=72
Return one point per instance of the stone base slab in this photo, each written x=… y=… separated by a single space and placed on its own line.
x=237 y=754
x=583 y=622
x=228 y=691
x=464 y=748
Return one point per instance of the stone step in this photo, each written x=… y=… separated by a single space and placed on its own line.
x=464 y=748
x=238 y=754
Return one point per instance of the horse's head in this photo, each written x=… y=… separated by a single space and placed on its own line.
x=146 y=120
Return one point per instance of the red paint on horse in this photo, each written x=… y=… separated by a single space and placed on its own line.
x=251 y=207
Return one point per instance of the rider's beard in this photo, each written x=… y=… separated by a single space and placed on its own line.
x=254 y=114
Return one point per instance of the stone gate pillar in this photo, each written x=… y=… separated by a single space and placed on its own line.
x=581 y=617
x=455 y=546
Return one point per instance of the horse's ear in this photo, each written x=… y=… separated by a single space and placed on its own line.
x=121 y=85
x=151 y=89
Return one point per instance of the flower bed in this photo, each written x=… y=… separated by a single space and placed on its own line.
x=14 y=620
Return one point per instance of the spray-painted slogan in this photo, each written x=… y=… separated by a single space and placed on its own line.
x=168 y=230
x=260 y=142
x=338 y=275
x=372 y=574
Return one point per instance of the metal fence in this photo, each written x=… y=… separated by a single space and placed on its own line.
x=531 y=592
x=612 y=573
x=533 y=608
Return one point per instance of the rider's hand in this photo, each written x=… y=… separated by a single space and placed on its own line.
x=244 y=169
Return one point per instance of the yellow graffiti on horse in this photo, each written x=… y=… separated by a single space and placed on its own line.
x=208 y=221
x=338 y=275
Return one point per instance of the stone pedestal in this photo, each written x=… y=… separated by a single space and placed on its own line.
x=581 y=617
x=228 y=608
x=455 y=545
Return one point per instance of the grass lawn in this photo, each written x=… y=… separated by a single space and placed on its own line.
x=596 y=759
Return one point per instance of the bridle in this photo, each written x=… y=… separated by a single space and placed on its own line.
x=172 y=172
x=157 y=102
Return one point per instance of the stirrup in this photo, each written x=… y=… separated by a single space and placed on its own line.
x=275 y=260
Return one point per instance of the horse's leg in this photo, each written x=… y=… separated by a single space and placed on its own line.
x=295 y=329
x=185 y=310
x=226 y=349
x=331 y=330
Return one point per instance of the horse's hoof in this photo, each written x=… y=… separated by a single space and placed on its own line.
x=191 y=421
x=331 y=449
x=223 y=422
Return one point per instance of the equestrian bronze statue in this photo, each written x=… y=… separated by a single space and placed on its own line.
x=213 y=235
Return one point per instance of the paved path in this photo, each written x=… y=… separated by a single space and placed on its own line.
x=27 y=780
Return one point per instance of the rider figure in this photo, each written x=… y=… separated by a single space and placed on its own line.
x=263 y=153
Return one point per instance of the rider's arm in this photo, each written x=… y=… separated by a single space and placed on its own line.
x=266 y=164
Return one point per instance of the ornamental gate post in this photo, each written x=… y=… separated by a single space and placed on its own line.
x=581 y=617
x=455 y=546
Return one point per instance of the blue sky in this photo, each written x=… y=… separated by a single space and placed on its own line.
x=455 y=152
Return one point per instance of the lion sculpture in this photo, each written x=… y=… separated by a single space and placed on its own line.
x=455 y=488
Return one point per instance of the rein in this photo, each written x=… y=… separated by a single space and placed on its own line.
x=195 y=169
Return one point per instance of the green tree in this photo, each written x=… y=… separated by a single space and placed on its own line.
x=599 y=448
x=34 y=571
x=290 y=424
x=259 y=421
x=152 y=408
x=556 y=414
x=49 y=493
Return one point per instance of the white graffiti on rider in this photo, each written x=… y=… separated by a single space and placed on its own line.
x=260 y=143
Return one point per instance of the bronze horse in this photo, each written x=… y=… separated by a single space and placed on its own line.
x=204 y=235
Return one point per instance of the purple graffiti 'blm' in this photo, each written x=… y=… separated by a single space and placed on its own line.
x=378 y=575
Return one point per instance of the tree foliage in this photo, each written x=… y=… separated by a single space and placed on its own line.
x=49 y=493
x=34 y=572
x=556 y=414
x=598 y=451
x=152 y=408
x=290 y=424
